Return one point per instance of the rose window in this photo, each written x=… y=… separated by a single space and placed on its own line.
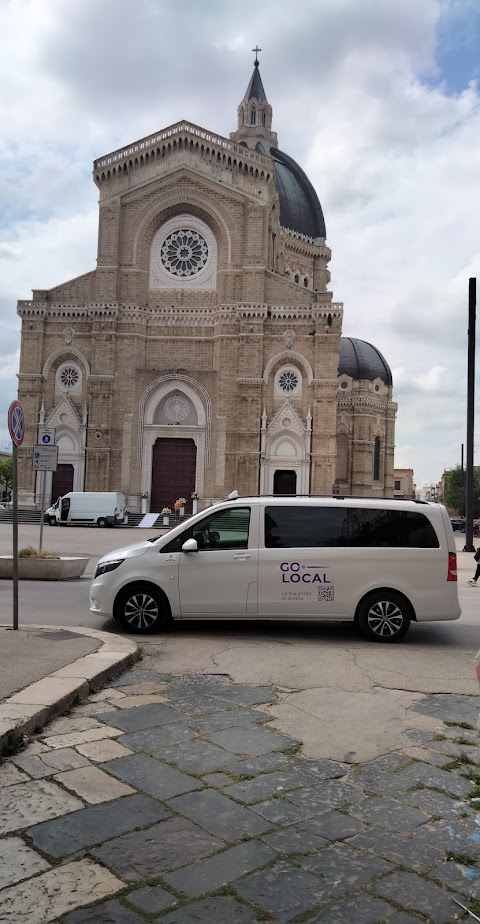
x=184 y=252
x=176 y=408
x=69 y=376
x=288 y=381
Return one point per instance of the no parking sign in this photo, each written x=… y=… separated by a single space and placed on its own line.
x=16 y=422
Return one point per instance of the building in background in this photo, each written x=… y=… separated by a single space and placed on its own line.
x=205 y=351
x=431 y=492
x=403 y=485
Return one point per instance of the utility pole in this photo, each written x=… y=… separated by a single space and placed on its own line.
x=472 y=311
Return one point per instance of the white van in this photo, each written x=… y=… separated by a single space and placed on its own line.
x=380 y=563
x=90 y=508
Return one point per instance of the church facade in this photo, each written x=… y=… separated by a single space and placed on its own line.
x=205 y=351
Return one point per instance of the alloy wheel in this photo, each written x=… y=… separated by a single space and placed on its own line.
x=141 y=611
x=385 y=618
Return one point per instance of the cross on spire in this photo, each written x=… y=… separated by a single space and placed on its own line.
x=256 y=50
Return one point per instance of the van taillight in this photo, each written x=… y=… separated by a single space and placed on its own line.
x=452 y=566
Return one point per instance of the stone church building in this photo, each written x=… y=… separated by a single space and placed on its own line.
x=205 y=351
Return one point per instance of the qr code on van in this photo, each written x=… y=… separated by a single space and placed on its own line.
x=326 y=593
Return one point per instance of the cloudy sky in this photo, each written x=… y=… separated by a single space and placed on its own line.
x=377 y=99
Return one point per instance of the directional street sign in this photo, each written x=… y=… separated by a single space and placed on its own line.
x=16 y=422
x=45 y=458
x=46 y=436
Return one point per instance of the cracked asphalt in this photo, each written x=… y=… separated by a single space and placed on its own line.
x=344 y=700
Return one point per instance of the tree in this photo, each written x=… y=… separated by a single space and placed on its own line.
x=6 y=474
x=455 y=481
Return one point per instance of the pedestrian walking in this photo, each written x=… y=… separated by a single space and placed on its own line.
x=177 y=508
x=473 y=581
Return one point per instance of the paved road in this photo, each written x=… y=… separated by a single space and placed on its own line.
x=318 y=667
x=182 y=777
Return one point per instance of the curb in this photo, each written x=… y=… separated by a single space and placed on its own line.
x=45 y=699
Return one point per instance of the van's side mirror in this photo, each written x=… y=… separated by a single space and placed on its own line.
x=190 y=545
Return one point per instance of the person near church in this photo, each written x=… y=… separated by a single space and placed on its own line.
x=473 y=581
x=177 y=508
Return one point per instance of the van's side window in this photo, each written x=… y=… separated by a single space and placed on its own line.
x=305 y=527
x=400 y=529
x=225 y=529
x=311 y=527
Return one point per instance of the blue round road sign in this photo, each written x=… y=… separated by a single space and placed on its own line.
x=16 y=422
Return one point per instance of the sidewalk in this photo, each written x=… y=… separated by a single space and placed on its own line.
x=171 y=796
x=45 y=669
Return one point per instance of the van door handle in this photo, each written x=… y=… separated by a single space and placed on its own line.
x=242 y=556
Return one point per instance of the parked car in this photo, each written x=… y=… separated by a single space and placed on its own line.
x=378 y=563
x=458 y=523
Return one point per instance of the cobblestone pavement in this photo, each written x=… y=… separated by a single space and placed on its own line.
x=168 y=798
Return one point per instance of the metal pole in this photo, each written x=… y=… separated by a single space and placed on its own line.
x=15 y=537
x=472 y=304
x=42 y=511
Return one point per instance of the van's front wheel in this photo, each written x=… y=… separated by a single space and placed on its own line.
x=384 y=617
x=52 y=521
x=102 y=522
x=141 y=609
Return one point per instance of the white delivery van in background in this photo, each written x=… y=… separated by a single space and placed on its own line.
x=89 y=508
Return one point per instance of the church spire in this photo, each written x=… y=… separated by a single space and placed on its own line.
x=255 y=87
x=255 y=112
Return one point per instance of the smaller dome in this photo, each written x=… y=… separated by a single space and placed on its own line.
x=361 y=360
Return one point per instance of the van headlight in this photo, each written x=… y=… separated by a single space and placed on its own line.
x=105 y=566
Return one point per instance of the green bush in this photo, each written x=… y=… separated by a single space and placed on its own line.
x=30 y=552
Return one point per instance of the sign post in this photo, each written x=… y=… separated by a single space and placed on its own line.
x=45 y=459
x=16 y=427
x=46 y=437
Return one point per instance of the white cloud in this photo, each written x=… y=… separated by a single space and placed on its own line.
x=9 y=367
x=392 y=157
x=435 y=381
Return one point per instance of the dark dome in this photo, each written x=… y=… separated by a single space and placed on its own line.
x=362 y=360
x=300 y=209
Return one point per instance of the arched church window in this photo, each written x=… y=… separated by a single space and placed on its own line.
x=252 y=117
x=305 y=282
x=183 y=255
x=296 y=278
x=342 y=461
x=288 y=382
x=376 y=459
x=263 y=118
x=176 y=408
x=184 y=252
x=68 y=378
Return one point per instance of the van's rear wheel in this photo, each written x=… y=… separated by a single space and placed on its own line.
x=102 y=522
x=141 y=609
x=384 y=617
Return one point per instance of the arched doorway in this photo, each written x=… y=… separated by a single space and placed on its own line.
x=62 y=481
x=285 y=481
x=173 y=472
